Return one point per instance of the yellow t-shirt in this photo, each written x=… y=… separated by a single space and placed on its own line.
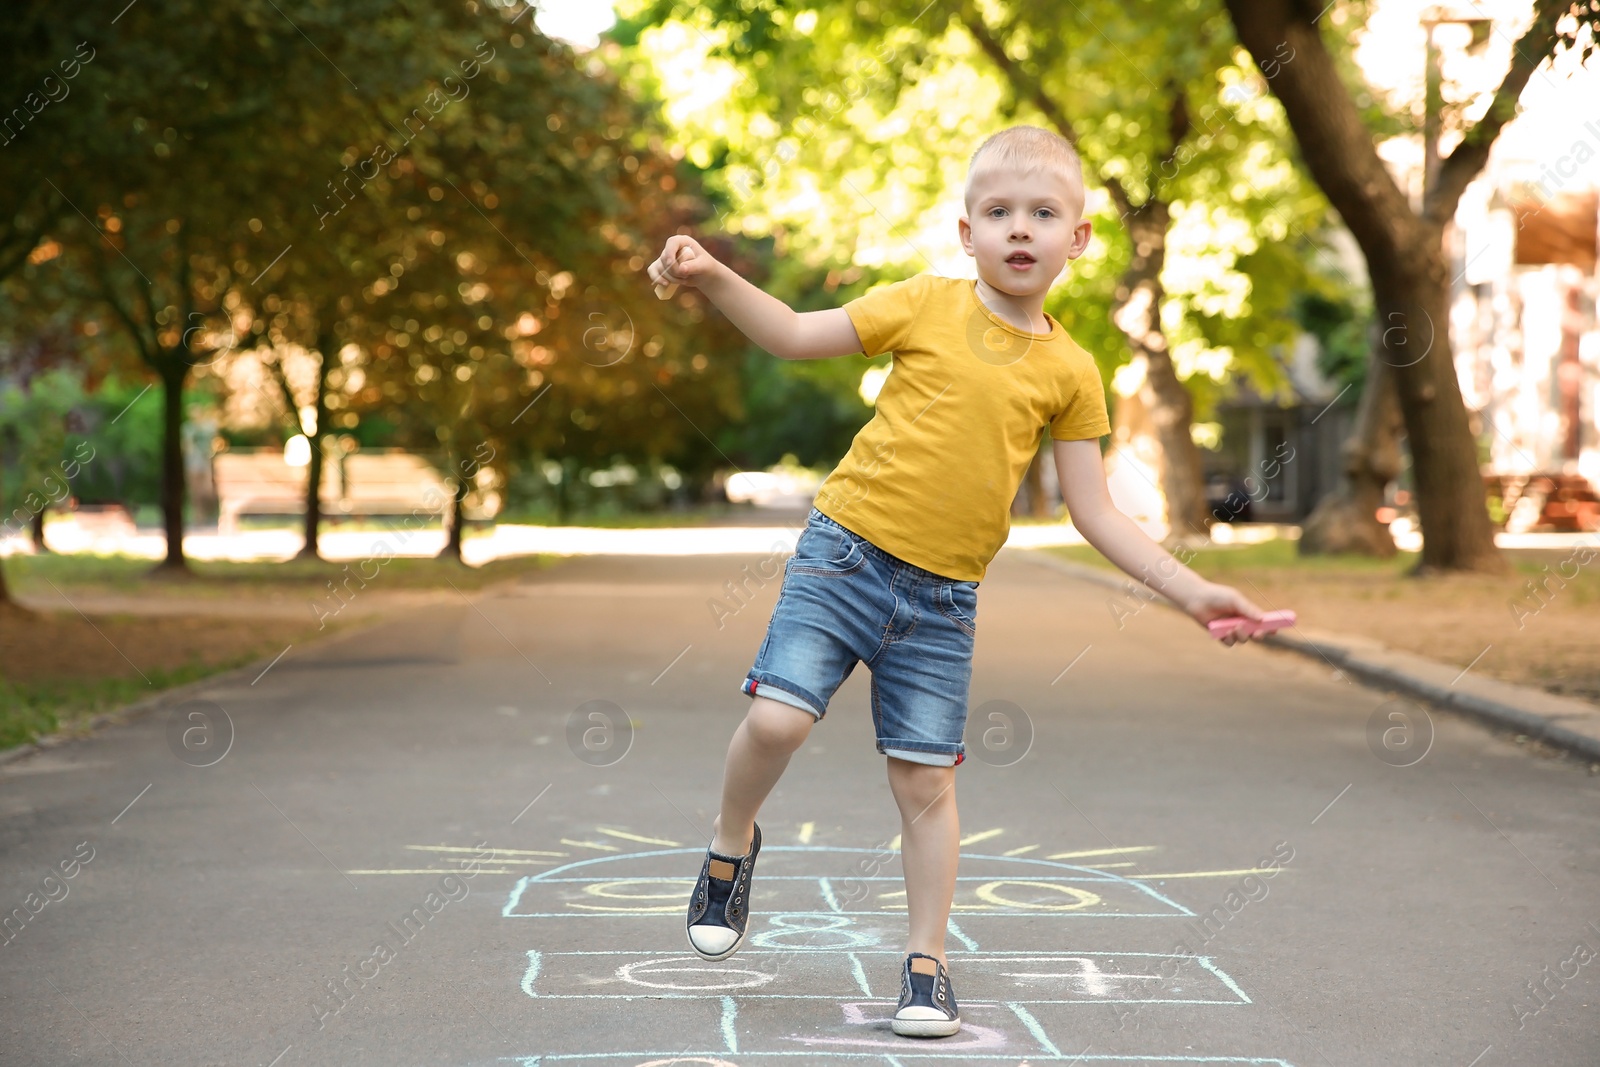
x=931 y=478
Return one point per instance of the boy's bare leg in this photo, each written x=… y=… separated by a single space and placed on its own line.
x=757 y=755
x=930 y=838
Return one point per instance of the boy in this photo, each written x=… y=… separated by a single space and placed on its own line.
x=887 y=569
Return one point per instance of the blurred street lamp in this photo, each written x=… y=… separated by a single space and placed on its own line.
x=1433 y=97
x=297 y=451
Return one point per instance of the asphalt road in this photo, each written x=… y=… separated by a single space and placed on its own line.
x=1173 y=853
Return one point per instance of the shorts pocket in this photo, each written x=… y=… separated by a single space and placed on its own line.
x=828 y=551
x=958 y=602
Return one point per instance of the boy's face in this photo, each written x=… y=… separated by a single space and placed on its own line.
x=1024 y=227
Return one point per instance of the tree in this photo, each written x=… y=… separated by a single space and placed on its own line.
x=53 y=131
x=55 y=128
x=512 y=268
x=153 y=234
x=1193 y=146
x=1404 y=250
x=223 y=118
x=168 y=315
x=461 y=232
x=1345 y=520
x=38 y=388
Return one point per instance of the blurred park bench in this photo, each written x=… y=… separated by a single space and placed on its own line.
x=371 y=482
x=1545 y=500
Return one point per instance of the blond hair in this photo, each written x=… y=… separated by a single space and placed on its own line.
x=1025 y=148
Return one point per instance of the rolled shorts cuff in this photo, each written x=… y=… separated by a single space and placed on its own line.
x=766 y=684
x=933 y=753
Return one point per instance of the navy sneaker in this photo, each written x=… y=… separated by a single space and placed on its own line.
x=927 y=1003
x=719 y=911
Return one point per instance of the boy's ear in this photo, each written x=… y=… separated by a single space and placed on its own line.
x=1080 y=239
x=964 y=225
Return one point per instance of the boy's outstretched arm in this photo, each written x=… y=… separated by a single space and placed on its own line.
x=1119 y=539
x=763 y=318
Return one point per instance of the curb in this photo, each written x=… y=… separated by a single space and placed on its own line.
x=178 y=694
x=1561 y=722
x=1510 y=712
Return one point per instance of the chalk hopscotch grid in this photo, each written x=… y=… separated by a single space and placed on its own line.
x=592 y=872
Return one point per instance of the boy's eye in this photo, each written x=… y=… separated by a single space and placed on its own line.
x=997 y=212
x=1044 y=213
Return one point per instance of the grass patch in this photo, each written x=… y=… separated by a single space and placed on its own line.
x=128 y=574
x=1281 y=560
x=31 y=710
x=634 y=520
x=58 y=668
x=1533 y=625
x=1215 y=560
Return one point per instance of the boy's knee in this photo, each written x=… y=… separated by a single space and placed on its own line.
x=774 y=724
x=920 y=784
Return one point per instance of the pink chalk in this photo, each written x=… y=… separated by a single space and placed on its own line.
x=1240 y=626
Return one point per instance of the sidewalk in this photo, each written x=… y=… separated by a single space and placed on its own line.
x=1562 y=722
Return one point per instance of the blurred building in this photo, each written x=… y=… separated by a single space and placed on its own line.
x=1523 y=251
x=1275 y=460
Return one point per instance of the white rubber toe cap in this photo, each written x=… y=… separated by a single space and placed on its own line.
x=712 y=940
x=919 y=1012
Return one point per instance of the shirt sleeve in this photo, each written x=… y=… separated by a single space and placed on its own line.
x=1085 y=414
x=884 y=316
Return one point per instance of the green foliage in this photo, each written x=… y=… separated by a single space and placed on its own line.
x=1341 y=331
x=33 y=431
x=789 y=411
x=117 y=438
x=846 y=129
x=60 y=442
x=446 y=207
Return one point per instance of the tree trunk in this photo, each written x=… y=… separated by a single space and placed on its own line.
x=5 y=591
x=1031 y=499
x=313 y=519
x=1136 y=311
x=569 y=470
x=456 y=520
x=1345 y=521
x=36 y=524
x=174 y=482
x=1404 y=251
x=1413 y=302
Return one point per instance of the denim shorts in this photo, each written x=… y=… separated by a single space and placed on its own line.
x=845 y=600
